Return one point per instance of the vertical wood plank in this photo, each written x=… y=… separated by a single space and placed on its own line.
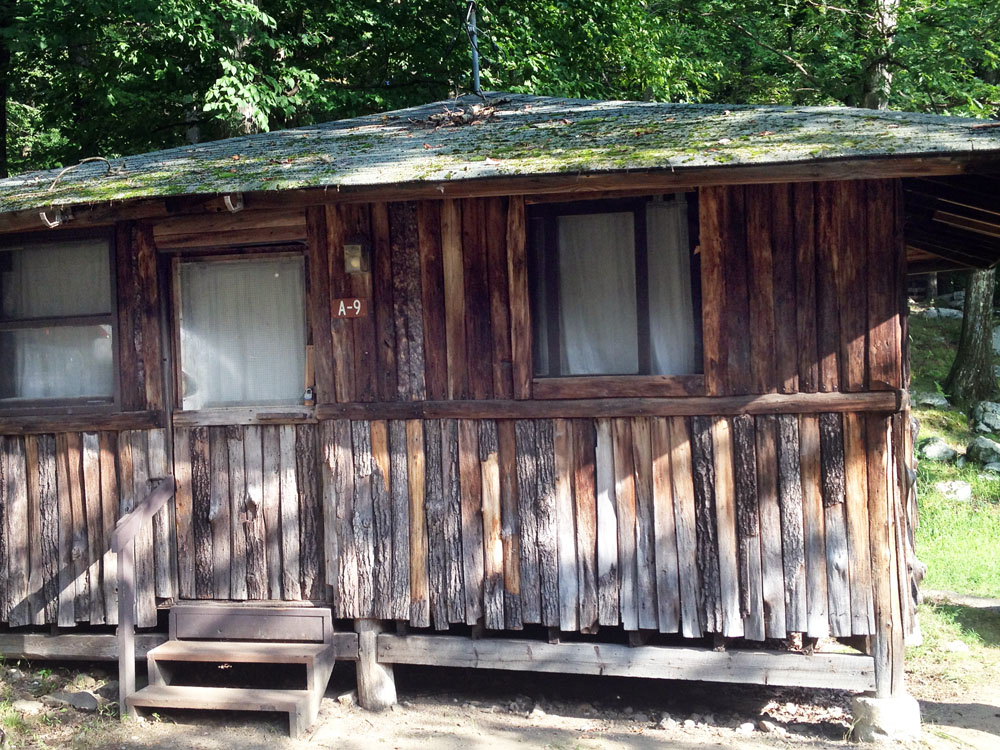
x=783 y=251
x=310 y=516
x=382 y=519
x=436 y=509
x=256 y=522
x=8 y=598
x=48 y=494
x=585 y=496
x=852 y=285
x=399 y=492
x=363 y=516
x=748 y=527
x=489 y=470
x=510 y=524
x=856 y=491
x=470 y=487
x=433 y=299
x=107 y=446
x=131 y=384
x=289 y=502
x=682 y=484
x=667 y=587
x=880 y=534
x=328 y=484
x=792 y=541
x=16 y=603
x=67 y=570
x=625 y=492
x=607 y=526
x=385 y=326
x=569 y=586
x=356 y=225
x=147 y=306
x=829 y=246
x=95 y=525
x=645 y=541
x=237 y=514
x=478 y=327
x=407 y=304
x=520 y=312
x=712 y=217
x=526 y=446
x=814 y=528
x=341 y=330
x=884 y=340
x=769 y=510
x=80 y=547
x=219 y=512
x=164 y=526
x=145 y=574
x=804 y=208
x=33 y=553
x=184 y=500
x=452 y=515
x=271 y=481
x=837 y=556
x=737 y=303
x=201 y=509
x=763 y=348
x=500 y=321
x=416 y=479
x=346 y=582
x=318 y=252
x=725 y=509
x=454 y=299
x=703 y=466
x=548 y=570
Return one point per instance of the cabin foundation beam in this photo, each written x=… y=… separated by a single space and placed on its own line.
x=376 y=683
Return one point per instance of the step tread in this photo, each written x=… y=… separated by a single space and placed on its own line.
x=243 y=652
x=223 y=698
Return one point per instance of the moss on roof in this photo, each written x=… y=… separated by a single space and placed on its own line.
x=510 y=135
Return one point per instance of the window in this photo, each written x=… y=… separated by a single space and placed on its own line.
x=242 y=331
x=611 y=289
x=56 y=323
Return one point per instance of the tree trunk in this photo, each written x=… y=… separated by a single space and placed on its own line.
x=878 y=76
x=971 y=378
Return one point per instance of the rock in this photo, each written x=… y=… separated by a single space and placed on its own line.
x=931 y=399
x=586 y=709
x=993 y=466
x=537 y=712
x=947 y=312
x=640 y=717
x=688 y=724
x=930 y=312
x=708 y=719
x=880 y=719
x=348 y=699
x=108 y=691
x=957 y=647
x=770 y=727
x=936 y=449
x=983 y=450
x=961 y=461
x=15 y=674
x=28 y=708
x=84 y=681
x=746 y=727
x=666 y=722
x=996 y=340
x=986 y=416
x=628 y=710
x=955 y=490
x=82 y=701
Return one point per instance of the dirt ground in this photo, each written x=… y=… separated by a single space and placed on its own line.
x=446 y=709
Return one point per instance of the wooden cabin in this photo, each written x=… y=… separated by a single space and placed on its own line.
x=530 y=383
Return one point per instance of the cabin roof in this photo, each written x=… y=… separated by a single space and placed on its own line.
x=507 y=135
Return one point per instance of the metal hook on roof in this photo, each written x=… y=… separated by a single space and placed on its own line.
x=233 y=207
x=59 y=216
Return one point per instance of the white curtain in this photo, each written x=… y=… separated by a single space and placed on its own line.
x=671 y=311
x=243 y=332
x=597 y=303
x=56 y=280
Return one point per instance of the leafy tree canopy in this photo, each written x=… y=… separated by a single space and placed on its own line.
x=113 y=77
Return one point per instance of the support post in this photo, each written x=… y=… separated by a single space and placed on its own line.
x=126 y=627
x=376 y=684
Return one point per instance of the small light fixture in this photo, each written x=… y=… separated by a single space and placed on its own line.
x=356 y=256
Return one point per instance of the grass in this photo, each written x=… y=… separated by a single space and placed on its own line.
x=958 y=541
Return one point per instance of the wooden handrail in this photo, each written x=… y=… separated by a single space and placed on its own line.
x=122 y=539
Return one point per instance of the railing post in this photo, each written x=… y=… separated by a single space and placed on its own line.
x=126 y=626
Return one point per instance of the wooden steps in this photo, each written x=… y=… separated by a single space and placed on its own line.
x=217 y=633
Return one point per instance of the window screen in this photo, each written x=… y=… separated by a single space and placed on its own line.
x=56 y=332
x=243 y=332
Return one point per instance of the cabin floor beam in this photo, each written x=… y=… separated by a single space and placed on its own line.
x=73 y=647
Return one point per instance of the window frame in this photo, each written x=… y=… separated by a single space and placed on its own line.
x=71 y=406
x=231 y=255
x=642 y=383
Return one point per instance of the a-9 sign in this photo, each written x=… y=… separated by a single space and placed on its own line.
x=349 y=307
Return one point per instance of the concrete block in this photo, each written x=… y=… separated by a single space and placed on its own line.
x=885 y=719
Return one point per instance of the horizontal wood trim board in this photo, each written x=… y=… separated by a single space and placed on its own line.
x=771 y=403
x=39 y=424
x=836 y=671
x=584 y=184
x=625 y=386
x=225 y=416
x=72 y=647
